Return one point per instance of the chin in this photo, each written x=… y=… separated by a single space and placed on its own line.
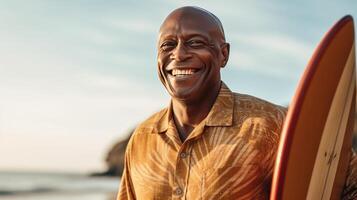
x=183 y=94
x=180 y=95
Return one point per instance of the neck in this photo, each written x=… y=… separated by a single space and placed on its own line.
x=188 y=114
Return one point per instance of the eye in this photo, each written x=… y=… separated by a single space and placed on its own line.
x=167 y=45
x=195 y=43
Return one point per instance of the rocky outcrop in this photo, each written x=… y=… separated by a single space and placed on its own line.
x=115 y=158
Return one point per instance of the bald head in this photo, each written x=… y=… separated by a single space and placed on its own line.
x=196 y=15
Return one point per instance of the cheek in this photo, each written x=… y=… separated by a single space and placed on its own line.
x=160 y=71
x=209 y=58
x=162 y=61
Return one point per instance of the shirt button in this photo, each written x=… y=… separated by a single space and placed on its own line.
x=183 y=155
x=178 y=191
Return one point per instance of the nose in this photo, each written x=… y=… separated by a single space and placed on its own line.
x=180 y=53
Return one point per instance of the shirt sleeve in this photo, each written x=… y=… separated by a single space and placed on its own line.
x=350 y=188
x=126 y=190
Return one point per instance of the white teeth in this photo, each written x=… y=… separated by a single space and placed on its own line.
x=183 y=71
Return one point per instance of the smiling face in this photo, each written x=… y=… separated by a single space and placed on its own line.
x=191 y=51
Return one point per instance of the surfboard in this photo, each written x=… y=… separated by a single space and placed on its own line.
x=315 y=144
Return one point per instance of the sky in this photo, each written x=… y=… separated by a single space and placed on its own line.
x=76 y=76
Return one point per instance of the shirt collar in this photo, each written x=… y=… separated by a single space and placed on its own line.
x=221 y=113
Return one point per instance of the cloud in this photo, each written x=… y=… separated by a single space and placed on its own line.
x=275 y=54
x=281 y=43
x=132 y=25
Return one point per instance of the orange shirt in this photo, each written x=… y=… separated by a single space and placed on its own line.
x=229 y=155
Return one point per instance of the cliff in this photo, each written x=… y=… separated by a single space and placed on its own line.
x=115 y=158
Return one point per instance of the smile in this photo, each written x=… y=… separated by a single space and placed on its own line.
x=183 y=72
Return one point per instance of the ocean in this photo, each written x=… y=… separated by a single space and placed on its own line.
x=56 y=186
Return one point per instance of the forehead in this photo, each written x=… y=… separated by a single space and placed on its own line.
x=189 y=23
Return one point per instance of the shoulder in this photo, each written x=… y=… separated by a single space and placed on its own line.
x=151 y=123
x=255 y=103
x=260 y=121
x=251 y=106
x=142 y=132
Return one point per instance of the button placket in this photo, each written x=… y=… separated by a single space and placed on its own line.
x=182 y=170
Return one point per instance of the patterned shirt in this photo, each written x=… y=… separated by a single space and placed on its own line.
x=229 y=155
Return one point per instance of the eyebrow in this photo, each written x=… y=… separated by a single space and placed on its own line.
x=189 y=35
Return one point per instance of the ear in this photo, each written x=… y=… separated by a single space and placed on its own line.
x=225 y=54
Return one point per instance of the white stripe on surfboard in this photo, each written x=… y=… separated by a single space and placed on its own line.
x=328 y=155
x=341 y=135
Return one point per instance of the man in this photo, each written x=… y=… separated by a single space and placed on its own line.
x=209 y=143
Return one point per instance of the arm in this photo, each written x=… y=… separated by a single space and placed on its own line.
x=273 y=147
